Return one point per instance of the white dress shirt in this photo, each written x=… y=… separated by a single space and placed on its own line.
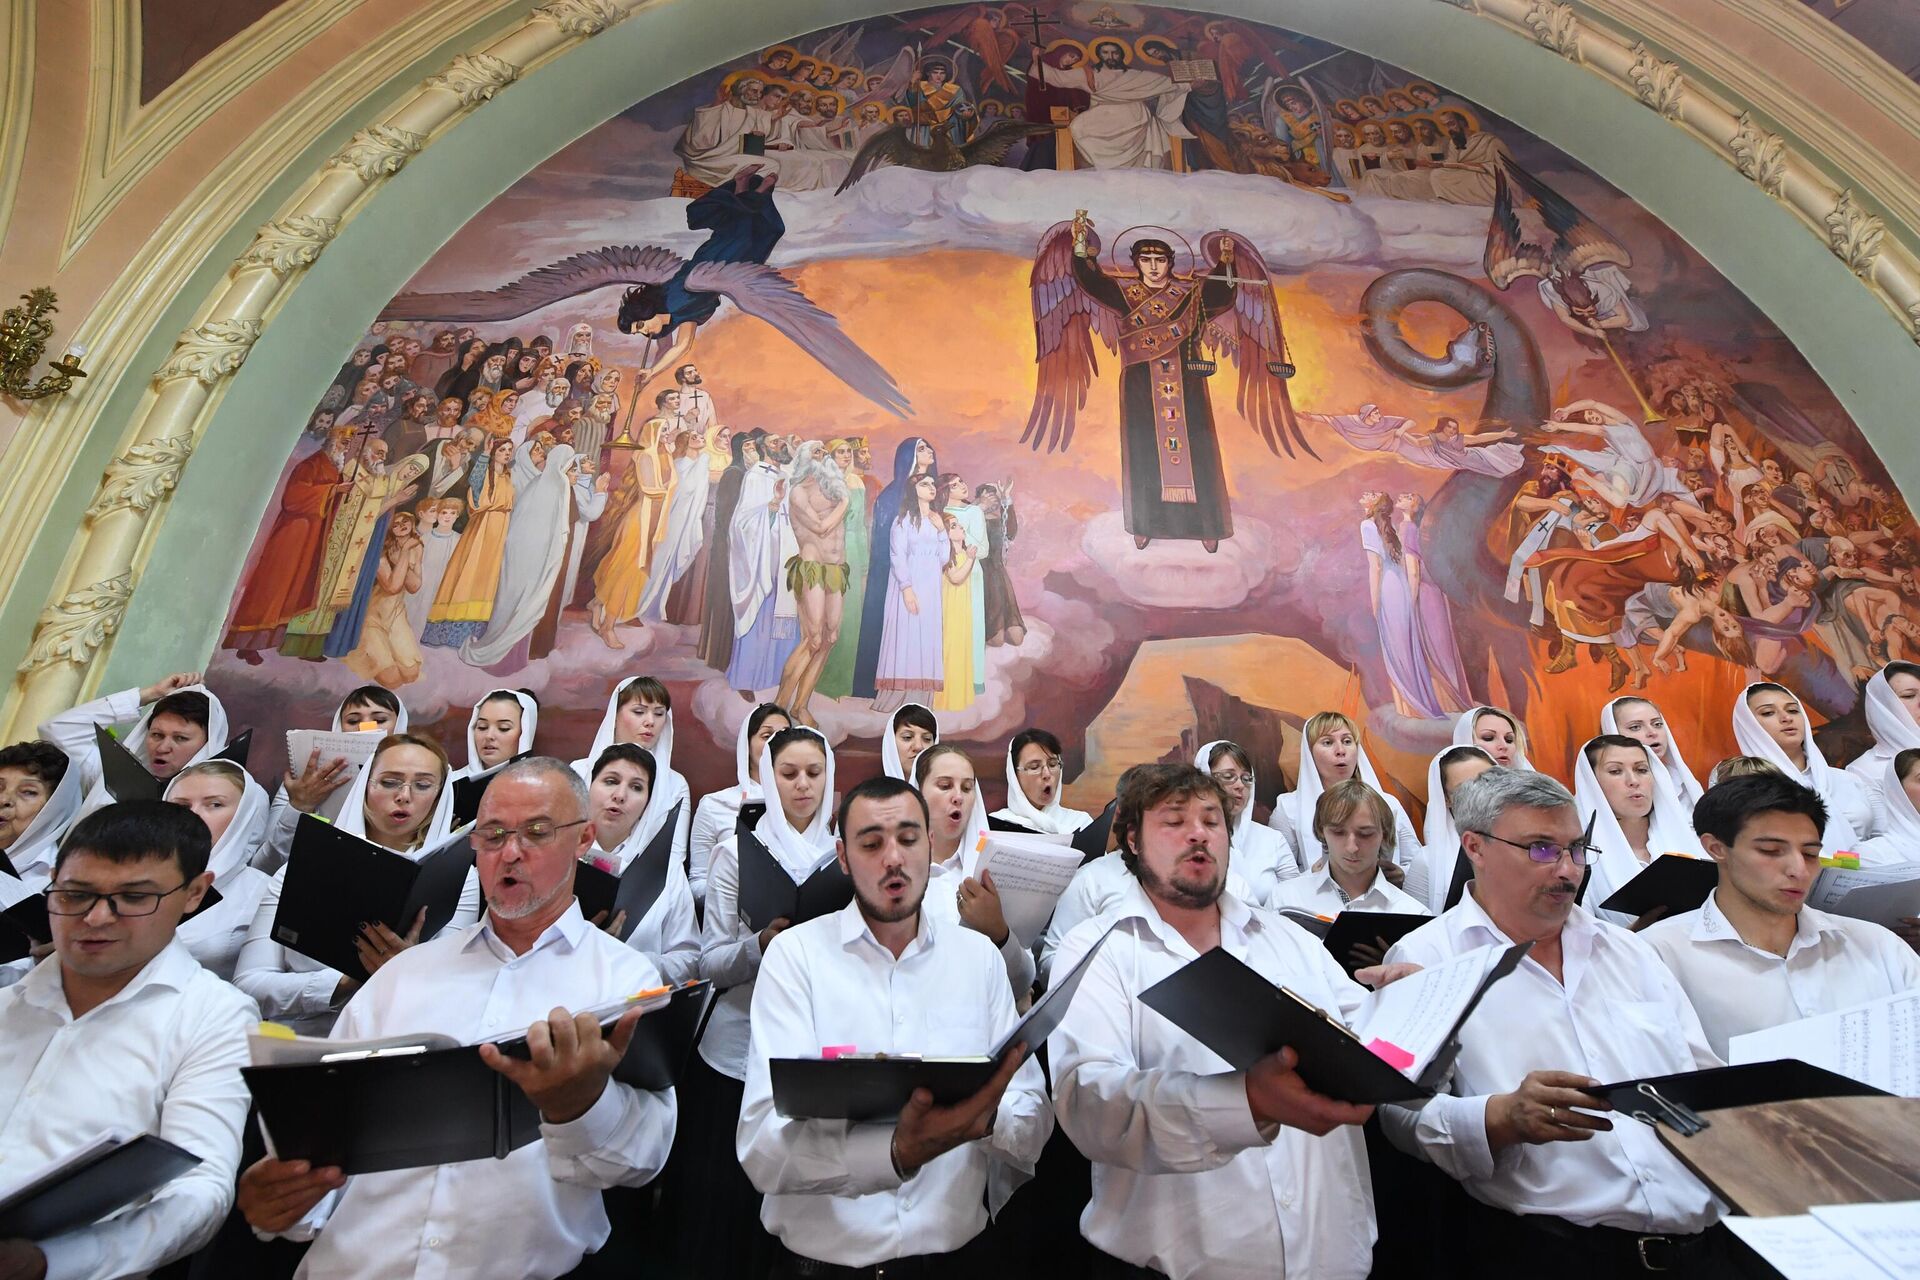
x=831 y=1190
x=1095 y=889
x=1832 y=963
x=1264 y=859
x=730 y=959
x=536 y=1213
x=1184 y=1180
x=713 y=822
x=667 y=934
x=1403 y=839
x=162 y=1057
x=1619 y=1016
x=216 y=934
x=1316 y=894
x=294 y=989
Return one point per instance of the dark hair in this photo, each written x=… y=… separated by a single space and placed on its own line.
x=639 y=304
x=501 y=695
x=1768 y=686
x=1234 y=749
x=791 y=734
x=627 y=751
x=1450 y=757
x=135 y=830
x=1903 y=762
x=922 y=763
x=374 y=695
x=189 y=704
x=39 y=758
x=917 y=716
x=879 y=789
x=1902 y=669
x=1606 y=740
x=531 y=696
x=1724 y=810
x=1032 y=738
x=760 y=714
x=1144 y=787
x=643 y=689
x=1146 y=245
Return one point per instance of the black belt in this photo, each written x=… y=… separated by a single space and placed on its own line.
x=922 y=1266
x=1628 y=1250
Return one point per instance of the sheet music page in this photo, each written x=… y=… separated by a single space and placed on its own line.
x=1799 y=1247
x=355 y=748
x=1415 y=1013
x=1030 y=875
x=1877 y=1043
x=1887 y=894
x=1887 y=1233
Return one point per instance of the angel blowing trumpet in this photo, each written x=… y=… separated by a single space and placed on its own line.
x=1165 y=324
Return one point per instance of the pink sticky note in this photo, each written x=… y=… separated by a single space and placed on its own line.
x=832 y=1051
x=1391 y=1054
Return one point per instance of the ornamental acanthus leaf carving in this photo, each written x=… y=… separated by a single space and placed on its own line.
x=210 y=351
x=580 y=17
x=1759 y=155
x=1555 y=26
x=73 y=629
x=286 y=245
x=1855 y=233
x=1656 y=83
x=141 y=476
x=378 y=151
x=475 y=77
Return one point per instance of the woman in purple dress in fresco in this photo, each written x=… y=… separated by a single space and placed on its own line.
x=909 y=663
x=1433 y=615
x=1393 y=609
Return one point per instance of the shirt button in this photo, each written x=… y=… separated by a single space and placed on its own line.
x=433 y=1242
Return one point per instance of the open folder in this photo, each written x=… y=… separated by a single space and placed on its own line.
x=1353 y=928
x=1030 y=873
x=1672 y=880
x=635 y=889
x=856 y=1086
x=408 y=1102
x=1404 y=1040
x=101 y=1178
x=467 y=791
x=768 y=893
x=336 y=882
x=1876 y=1043
x=1884 y=895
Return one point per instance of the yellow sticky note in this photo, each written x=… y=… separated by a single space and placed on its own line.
x=276 y=1031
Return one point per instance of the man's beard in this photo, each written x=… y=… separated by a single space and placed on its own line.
x=888 y=915
x=1183 y=893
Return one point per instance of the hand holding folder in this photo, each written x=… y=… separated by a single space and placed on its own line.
x=336 y=883
x=769 y=893
x=101 y=1178
x=1672 y=883
x=633 y=892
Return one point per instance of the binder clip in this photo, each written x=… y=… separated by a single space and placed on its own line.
x=1677 y=1115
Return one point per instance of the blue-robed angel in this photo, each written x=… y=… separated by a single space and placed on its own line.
x=668 y=298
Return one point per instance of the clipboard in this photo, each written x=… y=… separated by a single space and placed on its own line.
x=1677 y=883
x=335 y=882
x=1351 y=927
x=121 y=772
x=634 y=890
x=100 y=1179
x=1678 y=1101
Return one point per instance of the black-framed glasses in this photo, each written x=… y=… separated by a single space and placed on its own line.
x=79 y=902
x=1227 y=779
x=1545 y=851
x=533 y=835
x=1034 y=768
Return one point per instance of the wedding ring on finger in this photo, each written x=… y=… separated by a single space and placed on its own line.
x=1553 y=1115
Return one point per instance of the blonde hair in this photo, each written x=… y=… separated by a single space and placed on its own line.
x=1325 y=721
x=225 y=770
x=1339 y=801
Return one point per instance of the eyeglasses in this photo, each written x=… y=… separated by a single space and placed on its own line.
x=79 y=902
x=1581 y=851
x=1038 y=767
x=1228 y=779
x=537 y=834
x=420 y=787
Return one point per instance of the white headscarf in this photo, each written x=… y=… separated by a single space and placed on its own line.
x=750 y=792
x=1463 y=734
x=41 y=840
x=798 y=851
x=651 y=818
x=1754 y=740
x=1305 y=798
x=890 y=749
x=529 y=721
x=1244 y=823
x=399 y=720
x=662 y=751
x=1054 y=820
x=1900 y=841
x=1440 y=839
x=1893 y=728
x=1669 y=828
x=1672 y=773
x=966 y=854
x=245 y=832
x=353 y=813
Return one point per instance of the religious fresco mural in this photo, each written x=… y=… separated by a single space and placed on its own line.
x=1147 y=375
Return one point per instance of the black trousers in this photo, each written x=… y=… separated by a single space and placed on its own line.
x=1512 y=1247
x=966 y=1263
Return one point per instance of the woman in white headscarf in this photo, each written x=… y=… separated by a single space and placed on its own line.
x=640 y=711
x=713 y=821
x=1496 y=732
x=1769 y=722
x=501 y=727
x=1899 y=838
x=620 y=795
x=1893 y=715
x=1634 y=717
x=42 y=800
x=547 y=485
x=183 y=724
x=1261 y=855
x=796 y=776
x=1330 y=752
x=956 y=830
x=402 y=801
x=910 y=730
x=1034 y=783
x=235 y=809
x=316 y=788
x=1635 y=818
x=1432 y=872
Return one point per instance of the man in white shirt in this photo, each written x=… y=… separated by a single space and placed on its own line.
x=1590 y=1004
x=885 y=977
x=1350 y=821
x=122 y=1028
x=1755 y=955
x=536 y=1213
x=1200 y=1171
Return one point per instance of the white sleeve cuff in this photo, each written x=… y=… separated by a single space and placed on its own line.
x=73 y=1255
x=869 y=1157
x=593 y=1130
x=1220 y=1103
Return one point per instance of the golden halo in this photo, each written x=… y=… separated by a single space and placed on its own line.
x=1472 y=120
x=1066 y=42
x=1141 y=45
x=735 y=77
x=1126 y=49
x=821 y=95
x=791 y=52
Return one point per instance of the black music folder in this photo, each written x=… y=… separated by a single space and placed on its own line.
x=467 y=791
x=1364 y=927
x=1237 y=1013
x=238 y=748
x=101 y=1178
x=1678 y=883
x=663 y=1040
x=27 y=923
x=1091 y=840
x=121 y=771
x=857 y=1087
x=336 y=882
x=1677 y=1101
x=634 y=890
x=767 y=892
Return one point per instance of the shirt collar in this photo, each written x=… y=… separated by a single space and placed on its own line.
x=173 y=969
x=1371 y=893
x=853 y=929
x=1711 y=925
x=1237 y=920
x=571 y=929
x=1470 y=925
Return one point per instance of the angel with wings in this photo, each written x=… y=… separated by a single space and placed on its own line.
x=668 y=298
x=1163 y=325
